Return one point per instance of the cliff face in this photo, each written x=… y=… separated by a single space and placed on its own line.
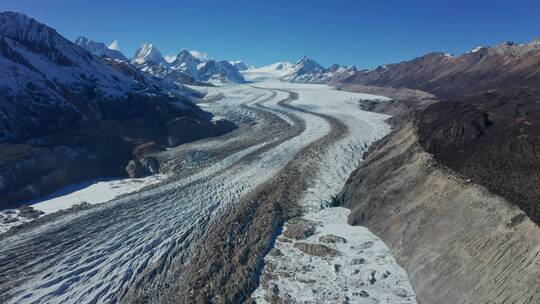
x=458 y=242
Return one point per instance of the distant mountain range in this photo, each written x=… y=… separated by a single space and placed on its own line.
x=185 y=68
x=307 y=70
x=504 y=65
x=241 y=65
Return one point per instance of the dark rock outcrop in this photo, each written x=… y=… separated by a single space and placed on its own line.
x=300 y=229
x=319 y=250
x=143 y=167
x=186 y=129
x=492 y=138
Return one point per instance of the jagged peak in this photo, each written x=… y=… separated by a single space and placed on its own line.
x=148 y=53
x=114 y=46
x=185 y=54
x=99 y=48
x=306 y=62
x=476 y=49
x=506 y=44
x=81 y=40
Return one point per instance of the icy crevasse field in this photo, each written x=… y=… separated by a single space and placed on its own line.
x=112 y=245
x=99 y=255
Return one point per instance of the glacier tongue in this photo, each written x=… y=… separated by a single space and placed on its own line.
x=338 y=262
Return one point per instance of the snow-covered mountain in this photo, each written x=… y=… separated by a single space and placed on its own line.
x=47 y=81
x=241 y=65
x=186 y=62
x=67 y=115
x=308 y=70
x=185 y=66
x=149 y=59
x=114 y=46
x=305 y=70
x=221 y=71
x=100 y=49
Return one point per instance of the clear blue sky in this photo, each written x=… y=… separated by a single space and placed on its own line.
x=364 y=33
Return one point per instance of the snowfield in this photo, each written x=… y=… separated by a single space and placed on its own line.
x=92 y=192
x=108 y=253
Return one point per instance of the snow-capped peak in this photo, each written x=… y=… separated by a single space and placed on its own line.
x=241 y=65
x=114 y=46
x=283 y=65
x=306 y=65
x=99 y=49
x=148 y=53
x=186 y=62
x=476 y=49
x=170 y=58
x=185 y=55
x=199 y=55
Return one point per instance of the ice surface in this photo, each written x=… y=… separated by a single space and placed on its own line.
x=309 y=279
x=93 y=192
x=112 y=244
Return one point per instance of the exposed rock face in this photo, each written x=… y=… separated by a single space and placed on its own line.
x=504 y=65
x=332 y=239
x=300 y=229
x=143 y=167
x=186 y=129
x=491 y=138
x=219 y=70
x=316 y=249
x=142 y=150
x=458 y=242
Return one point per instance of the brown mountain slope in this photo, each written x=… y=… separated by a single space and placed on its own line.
x=492 y=138
x=442 y=189
x=504 y=65
x=458 y=242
